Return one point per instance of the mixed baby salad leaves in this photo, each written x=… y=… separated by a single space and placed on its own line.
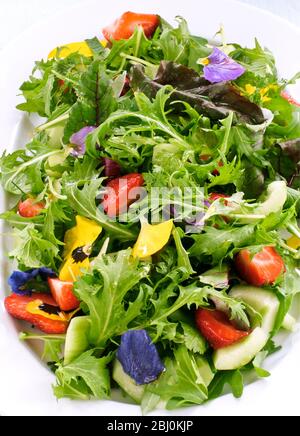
x=154 y=213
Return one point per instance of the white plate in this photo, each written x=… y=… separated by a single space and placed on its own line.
x=25 y=384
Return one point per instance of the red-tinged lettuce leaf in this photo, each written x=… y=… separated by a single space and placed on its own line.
x=213 y=100
x=291 y=149
x=285 y=158
x=96 y=100
x=179 y=76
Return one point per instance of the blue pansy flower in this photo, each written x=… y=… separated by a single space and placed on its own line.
x=20 y=281
x=139 y=357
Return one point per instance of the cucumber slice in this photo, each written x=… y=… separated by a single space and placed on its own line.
x=77 y=338
x=289 y=323
x=239 y=354
x=136 y=392
x=275 y=199
x=205 y=370
x=264 y=302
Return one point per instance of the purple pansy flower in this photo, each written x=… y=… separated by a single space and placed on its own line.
x=219 y=67
x=139 y=357
x=19 y=279
x=78 y=140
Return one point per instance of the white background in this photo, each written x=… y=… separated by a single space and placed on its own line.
x=32 y=394
x=17 y=15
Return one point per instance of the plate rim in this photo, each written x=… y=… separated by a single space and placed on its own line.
x=106 y=405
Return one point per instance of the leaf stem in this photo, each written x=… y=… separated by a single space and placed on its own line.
x=52 y=123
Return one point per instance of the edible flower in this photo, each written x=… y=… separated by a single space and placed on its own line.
x=38 y=307
x=24 y=282
x=78 y=141
x=264 y=92
x=250 y=89
x=68 y=49
x=152 y=238
x=139 y=357
x=218 y=67
x=78 y=245
x=294 y=242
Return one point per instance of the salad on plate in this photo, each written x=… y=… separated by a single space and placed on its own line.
x=154 y=213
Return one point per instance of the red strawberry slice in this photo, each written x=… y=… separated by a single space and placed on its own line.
x=121 y=193
x=217 y=329
x=124 y=27
x=62 y=293
x=289 y=98
x=30 y=208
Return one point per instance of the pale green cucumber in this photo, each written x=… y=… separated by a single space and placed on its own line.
x=205 y=370
x=128 y=385
x=241 y=353
x=276 y=197
x=289 y=323
x=264 y=302
x=77 y=338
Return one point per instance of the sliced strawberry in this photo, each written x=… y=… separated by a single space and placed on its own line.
x=261 y=269
x=289 y=98
x=217 y=329
x=16 y=306
x=216 y=196
x=30 y=208
x=121 y=193
x=62 y=293
x=124 y=27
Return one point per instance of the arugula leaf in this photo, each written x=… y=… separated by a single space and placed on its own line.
x=37 y=90
x=192 y=339
x=96 y=46
x=96 y=100
x=52 y=345
x=188 y=335
x=75 y=389
x=233 y=378
x=251 y=180
x=54 y=214
x=258 y=61
x=83 y=201
x=249 y=143
x=86 y=376
x=22 y=170
x=293 y=199
x=105 y=292
x=216 y=243
x=180 y=46
x=183 y=257
x=257 y=364
x=32 y=250
x=230 y=172
x=182 y=384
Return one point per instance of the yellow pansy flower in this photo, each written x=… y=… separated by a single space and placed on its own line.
x=34 y=308
x=294 y=242
x=152 y=238
x=81 y=237
x=73 y=47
